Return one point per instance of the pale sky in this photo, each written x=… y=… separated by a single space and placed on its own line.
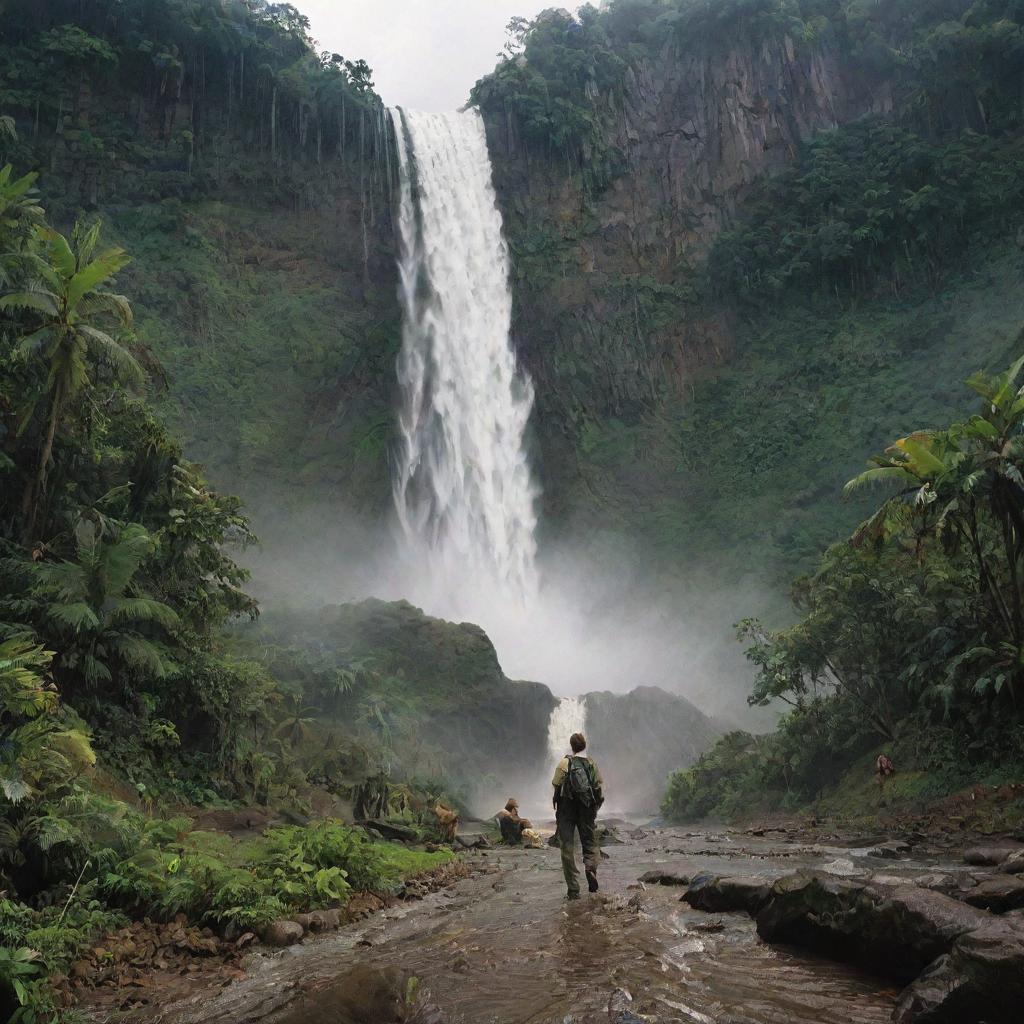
x=425 y=54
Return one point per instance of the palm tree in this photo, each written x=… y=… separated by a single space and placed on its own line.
x=965 y=486
x=96 y=604
x=67 y=297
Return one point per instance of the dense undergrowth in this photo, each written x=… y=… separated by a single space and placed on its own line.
x=910 y=635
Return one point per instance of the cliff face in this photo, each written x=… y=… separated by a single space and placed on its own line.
x=250 y=180
x=639 y=737
x=438 y=690
x=606 y=283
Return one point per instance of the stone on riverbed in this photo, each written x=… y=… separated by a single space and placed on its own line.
x=1014 y=864
x=999 y=894
x=283 y=933
x=991 y=856
x=892 y=849
x=389 y=830
x=664 y=876
x=981 y=979
x=896 y=931
x=718 y=894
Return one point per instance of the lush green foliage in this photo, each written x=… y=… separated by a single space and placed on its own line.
x=867 y=204
x=909 y=632
x=198 y=79
x=217 y=880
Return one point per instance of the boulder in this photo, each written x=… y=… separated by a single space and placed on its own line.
x=982 y=979
x=282 y=933
x=1014 y=864
x=472 y=841
x=990 y=856
x=892 y=849
x=661 y=876
x=717 y=894
x=389 y=830
x=999 y=894
x=896 y=931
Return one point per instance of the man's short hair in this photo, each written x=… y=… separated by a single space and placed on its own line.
x=578 y=742
x=512 y=804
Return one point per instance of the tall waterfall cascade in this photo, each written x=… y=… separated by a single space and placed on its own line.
x=568 y=716
x=463 y=491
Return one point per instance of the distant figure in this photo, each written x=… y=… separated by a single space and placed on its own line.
x=447 y=821
x=579 y=792
x=370 y=799
x=883 y=769
x=515 y=830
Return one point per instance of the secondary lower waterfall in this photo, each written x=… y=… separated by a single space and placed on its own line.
x=463 y=491
x=568 y=716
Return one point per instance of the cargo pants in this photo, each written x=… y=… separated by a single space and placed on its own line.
x=572 y=817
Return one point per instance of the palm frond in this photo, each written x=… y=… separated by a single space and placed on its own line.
x=95 y=273
x=77 y=616
x=104 y=346
x=142 y=609
x=41 y=301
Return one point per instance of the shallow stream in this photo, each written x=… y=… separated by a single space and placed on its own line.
x=504 y=947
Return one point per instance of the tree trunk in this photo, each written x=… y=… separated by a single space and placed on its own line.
x=36 y=488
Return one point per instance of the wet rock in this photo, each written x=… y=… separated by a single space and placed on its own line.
x=389 y=830
x=938 y=881
x=982 y=979
x=998 y=894
x=713 y=924
x=991 y=856
x=840 y=866
x=1014 y=864
x=662 y=876
x=895 y=931
x=331 y=919
x=283 y=933
x=368 y=993
x=472 y=841
x=892 y=849
x=718 y=894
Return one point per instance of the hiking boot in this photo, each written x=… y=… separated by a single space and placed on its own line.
x=591 y=879
x=570 y=896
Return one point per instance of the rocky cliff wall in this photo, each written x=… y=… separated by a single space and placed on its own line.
x=638 y=738
x=607 y=281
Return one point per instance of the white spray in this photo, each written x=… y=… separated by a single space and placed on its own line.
x=568 y=716
x=462 y=485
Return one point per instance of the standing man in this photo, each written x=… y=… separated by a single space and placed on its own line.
x=578 y=795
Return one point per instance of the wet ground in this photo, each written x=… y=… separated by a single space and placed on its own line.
x=504 y=947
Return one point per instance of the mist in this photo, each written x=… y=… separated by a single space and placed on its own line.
x=598 y=620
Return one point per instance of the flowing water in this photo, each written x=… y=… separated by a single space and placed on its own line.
x=568 y=716
x=502 y=947
x=463 y=491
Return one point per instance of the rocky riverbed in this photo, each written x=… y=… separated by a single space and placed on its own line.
x=503 y=946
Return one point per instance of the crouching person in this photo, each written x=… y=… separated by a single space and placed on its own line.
x=515 y=830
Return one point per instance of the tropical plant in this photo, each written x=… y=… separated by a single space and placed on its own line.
x=98 y=607
x=19 y=209
x=66 y=340
x=18 y=968
x=963 y=488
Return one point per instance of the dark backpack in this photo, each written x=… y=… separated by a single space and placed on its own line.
x=579 y=781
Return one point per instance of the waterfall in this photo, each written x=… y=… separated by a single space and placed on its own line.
x=568 y=716
x=463 y=491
